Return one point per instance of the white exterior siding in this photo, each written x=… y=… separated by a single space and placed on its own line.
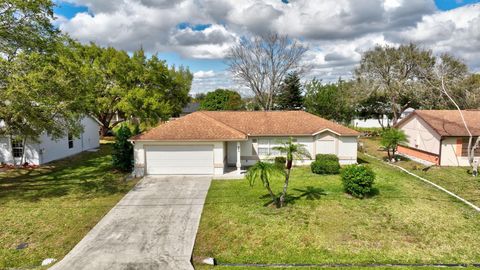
x=370 y=123
x=421 y=136
x=347 y=150
x=6 y=155
x=449 y=153
x=325 y=143
x=48 y=149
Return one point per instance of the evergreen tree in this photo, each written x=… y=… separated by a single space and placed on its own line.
x=122 y=156
x=222 y=100
x=290 y=96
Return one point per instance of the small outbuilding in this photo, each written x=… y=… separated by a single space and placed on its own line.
x=47 y=149
x=439 y=136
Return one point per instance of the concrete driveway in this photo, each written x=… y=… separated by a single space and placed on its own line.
x=152 y=227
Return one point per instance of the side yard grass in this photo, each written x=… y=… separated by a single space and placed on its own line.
x=407 y=221
x=51 y=208
x=456 y=179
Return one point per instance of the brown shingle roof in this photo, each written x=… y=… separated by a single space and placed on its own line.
x=261 y=123
x=192 y=127
x=449 y=122
x=237 y=125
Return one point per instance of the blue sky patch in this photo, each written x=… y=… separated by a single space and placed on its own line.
x=194 y=27
x=452 y=4
x=68 y=10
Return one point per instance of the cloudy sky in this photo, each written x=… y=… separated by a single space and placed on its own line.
x=197 y=33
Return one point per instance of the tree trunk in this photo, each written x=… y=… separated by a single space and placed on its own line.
x=274 y=198
x=285 y=187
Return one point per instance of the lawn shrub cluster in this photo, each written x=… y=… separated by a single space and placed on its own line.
x=325 y=164
x=358 y=180
x=122 y=156
x=280 y=162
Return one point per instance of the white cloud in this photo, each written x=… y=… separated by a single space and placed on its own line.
x=336 y=31
x=203 y=74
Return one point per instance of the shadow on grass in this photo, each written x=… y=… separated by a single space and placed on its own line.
x=81 y=175
x=309 y=193
x=362 y=161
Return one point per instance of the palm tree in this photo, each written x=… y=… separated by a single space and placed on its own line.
x=264 y=171
x=293 y=151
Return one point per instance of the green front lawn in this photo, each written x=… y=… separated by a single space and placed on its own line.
x=408 y=221
x=456 y=179
x=53 y=207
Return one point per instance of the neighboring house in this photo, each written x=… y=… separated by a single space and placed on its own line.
x=47 y=149
x=207 y=142
x=439 y=136
x=371 y=122
x=377 y=123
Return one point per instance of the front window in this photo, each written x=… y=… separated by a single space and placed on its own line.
x=17 y=148
x=266 y=147
x=70 y=141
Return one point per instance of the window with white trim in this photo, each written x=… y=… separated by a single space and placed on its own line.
x=17 y=148
x=265 y=146
x=70 y=141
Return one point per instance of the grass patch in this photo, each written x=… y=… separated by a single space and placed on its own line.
x=52 y=208
x=407 y=221
x=458 y=180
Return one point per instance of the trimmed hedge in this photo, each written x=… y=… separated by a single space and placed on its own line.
x=358 y=180
x=280 y=162
x=325 y=166
x=331 y=157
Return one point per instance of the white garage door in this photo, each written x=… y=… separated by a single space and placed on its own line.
x=179 y=159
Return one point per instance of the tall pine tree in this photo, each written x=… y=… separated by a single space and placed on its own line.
x=290 y=96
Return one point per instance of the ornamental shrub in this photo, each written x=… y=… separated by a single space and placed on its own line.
x=280 y=162
x=331 y=157
x=122 y=156
x=358 y=180
x=325 y=166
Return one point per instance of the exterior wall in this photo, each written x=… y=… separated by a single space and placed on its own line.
x=418 y=154
x=344 y=147
x=6 y=156
x=420 y=136
x=452 y=152
x=370 y=123
x=347 y=150
x=48 y=149
x=139 y=154
x=249 y=150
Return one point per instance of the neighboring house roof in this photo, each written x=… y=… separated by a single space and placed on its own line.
x=238 y=125
x=448 y=123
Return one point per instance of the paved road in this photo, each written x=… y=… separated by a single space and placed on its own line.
x=152 y=227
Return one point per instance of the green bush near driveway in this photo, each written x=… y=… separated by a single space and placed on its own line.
x=358 y=180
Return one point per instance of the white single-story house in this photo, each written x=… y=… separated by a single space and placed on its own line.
x=439 y=136
x=207 y=142
x=371 y=122
x=48 y=149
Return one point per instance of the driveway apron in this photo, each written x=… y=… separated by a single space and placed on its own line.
x=152 y=227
